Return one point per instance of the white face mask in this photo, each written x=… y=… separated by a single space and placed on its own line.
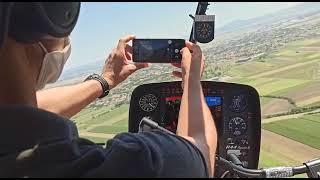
x=52 y=65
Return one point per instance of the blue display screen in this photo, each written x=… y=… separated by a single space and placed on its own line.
x=213 y=101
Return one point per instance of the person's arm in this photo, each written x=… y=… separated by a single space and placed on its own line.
x=69 y=100
x=195 y=122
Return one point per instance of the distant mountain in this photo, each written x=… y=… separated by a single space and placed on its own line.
x=304 y=9
x=82 y=70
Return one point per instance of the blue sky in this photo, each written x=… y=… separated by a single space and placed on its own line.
x=101 y=24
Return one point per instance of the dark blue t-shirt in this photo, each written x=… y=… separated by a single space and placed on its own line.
x=37 y=143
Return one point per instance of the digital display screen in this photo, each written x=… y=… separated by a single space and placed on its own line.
x=147 y=50
x=172 y=108
x=157 y=50
x=213 y=101
x=152 y=49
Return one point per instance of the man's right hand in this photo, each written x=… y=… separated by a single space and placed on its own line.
x=119 y=63
x=192 y=64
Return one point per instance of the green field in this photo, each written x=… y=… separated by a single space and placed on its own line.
x=307 y=71
x=110 y=129
x=95 y=139
x=108 y=115
x=279 y=59
x=249 y=69
x=100 y=115
x=122 y=123
x=264 y=100
x=270 y=86
x=89 y=113
x=304 y=129
x=294 y=89
x=88 y=121
x=313 y=104
x=291 y=71
x=268 y=159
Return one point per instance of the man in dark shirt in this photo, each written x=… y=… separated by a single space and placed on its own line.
x=38 y=143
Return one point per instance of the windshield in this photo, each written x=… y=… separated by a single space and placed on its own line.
x=274 y=47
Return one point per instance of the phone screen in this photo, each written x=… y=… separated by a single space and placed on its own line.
x=157 y=50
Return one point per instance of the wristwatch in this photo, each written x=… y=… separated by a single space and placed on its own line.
x=102 y=81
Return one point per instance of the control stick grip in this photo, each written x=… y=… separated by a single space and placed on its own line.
x=149 y=122
x=234 y=159
x=153 y=125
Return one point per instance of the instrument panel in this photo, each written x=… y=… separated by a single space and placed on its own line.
x=235 y=109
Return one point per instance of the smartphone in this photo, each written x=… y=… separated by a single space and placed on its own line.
x=157 y=50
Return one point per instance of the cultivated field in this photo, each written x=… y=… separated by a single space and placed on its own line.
x=304 y=129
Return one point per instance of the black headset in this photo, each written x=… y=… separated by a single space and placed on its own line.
x=29 y=22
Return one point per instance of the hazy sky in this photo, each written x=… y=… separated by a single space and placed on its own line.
x=101 y=24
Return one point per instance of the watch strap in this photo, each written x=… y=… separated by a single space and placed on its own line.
x=102 y=81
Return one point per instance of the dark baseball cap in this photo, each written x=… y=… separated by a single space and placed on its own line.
x=29 y=22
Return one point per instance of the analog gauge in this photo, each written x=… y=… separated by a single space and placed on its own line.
x=238 y=103
x=148 y=102
x=204 y=30
x=237 y=126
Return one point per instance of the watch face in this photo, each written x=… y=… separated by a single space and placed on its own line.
x=95 y=76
